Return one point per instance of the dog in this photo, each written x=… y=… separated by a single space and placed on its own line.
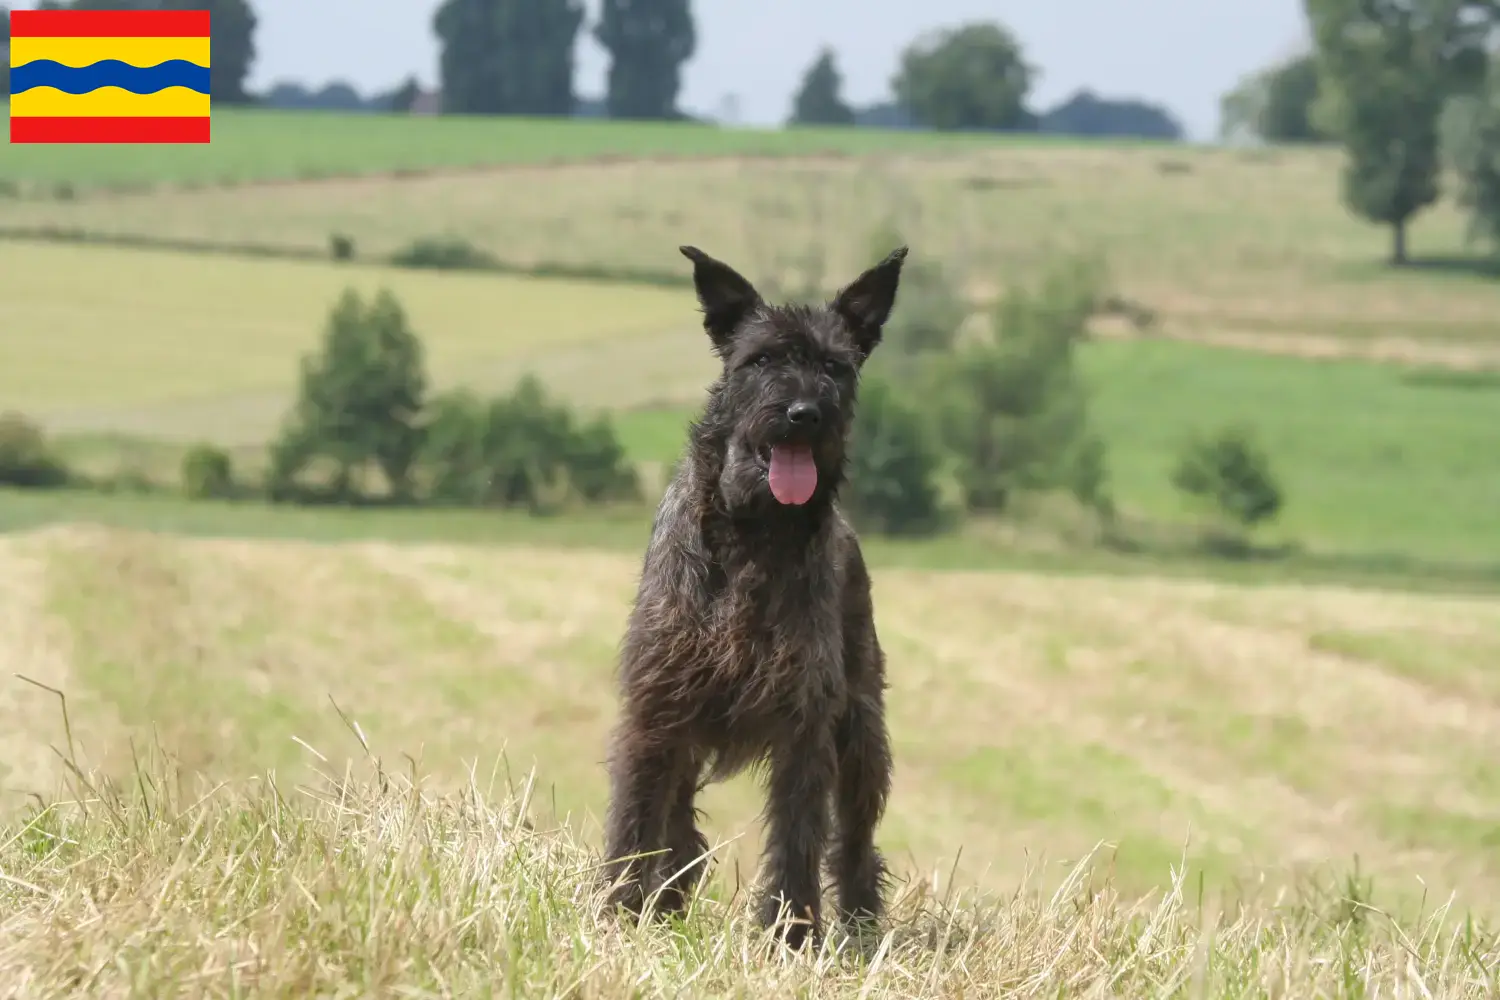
x=752 y=639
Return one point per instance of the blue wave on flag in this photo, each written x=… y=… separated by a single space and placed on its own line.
x=109 y=73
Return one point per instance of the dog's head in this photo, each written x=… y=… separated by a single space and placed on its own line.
x=785 y=402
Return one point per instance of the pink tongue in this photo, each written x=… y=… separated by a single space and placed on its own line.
x=794 y=474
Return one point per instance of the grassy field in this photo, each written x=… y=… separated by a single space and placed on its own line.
x=176 y=344
x=1376 y=458
x=1268 y=730
x=1229 y=245
x=369 y=884
x=261 y=145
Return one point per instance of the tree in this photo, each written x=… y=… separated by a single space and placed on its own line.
x=1015 y=409
x=1276 y=104
x=648 y=42
x=1471 y=139
x=1085 y=113
x=360 y=399
x=508 y=56
x=1387 y=68
x=232 y=26
x=1291 y=94
x=970 y=77
x=819 y=100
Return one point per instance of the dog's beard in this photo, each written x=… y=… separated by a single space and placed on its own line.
x=742 y=482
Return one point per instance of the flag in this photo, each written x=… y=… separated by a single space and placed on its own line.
x=109 y=76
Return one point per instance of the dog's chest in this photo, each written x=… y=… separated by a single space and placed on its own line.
x=779 y=635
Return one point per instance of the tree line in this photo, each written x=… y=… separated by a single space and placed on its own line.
x=1408 y=88
x=516 y=57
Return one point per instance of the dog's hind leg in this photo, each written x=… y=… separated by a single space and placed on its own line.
x=864 y=783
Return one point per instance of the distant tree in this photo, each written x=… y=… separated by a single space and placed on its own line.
x=819 y=100
x=1291 y=95
x=1276 y=104
x=401 y=98
x=1386 y=70
x=1088 y=114
x=359 y=402
x=232 y=25
x=970 y=77
x=1015 y=409
x=1470 y=129
x=507 y=56
x=1240 y=109
x=648 y=42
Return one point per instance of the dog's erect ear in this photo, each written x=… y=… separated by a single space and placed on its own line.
x=868 y=300
x=726 y=297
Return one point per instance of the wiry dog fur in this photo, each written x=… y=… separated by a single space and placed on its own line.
x=752 y=640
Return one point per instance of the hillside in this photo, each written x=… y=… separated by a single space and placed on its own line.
x=1249 y=248
x=1267 y=731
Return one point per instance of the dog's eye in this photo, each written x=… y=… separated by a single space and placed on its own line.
x=760 y=360
x=835 y=367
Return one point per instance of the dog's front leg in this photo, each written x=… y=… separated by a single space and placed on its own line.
x=797 y=826
x=642 y=776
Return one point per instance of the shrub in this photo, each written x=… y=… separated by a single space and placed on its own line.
x=444 y=253
x=26 y=456
x=930 y=307
x=359 y=402
x=1014 y=409
x=893 y=464
x=207 y=473
x=522 y=449
x=341 y=246
x=1230 y=471
x=453 y=459
x=597 y=464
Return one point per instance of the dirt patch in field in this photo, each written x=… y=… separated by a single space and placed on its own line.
x=1324 y=347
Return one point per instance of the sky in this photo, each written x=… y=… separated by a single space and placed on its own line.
x=1183 y=54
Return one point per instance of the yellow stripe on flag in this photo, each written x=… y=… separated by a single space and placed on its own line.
x=85 y=51
x=109 y=102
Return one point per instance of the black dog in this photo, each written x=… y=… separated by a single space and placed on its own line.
x=752 y=640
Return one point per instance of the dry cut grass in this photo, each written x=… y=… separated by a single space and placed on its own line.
x=374 y=885
x=1257 y=733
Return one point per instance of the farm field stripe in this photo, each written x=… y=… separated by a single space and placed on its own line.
x=84 y=51
x=110 y=102
x=109 y=23
x=107 y=129
x=109 y=73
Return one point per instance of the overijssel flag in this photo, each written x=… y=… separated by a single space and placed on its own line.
x=109 y=76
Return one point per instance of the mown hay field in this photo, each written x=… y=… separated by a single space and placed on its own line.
x=1265 y=731
x=1247 y=247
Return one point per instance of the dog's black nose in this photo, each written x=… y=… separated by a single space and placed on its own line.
x=805 y=415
